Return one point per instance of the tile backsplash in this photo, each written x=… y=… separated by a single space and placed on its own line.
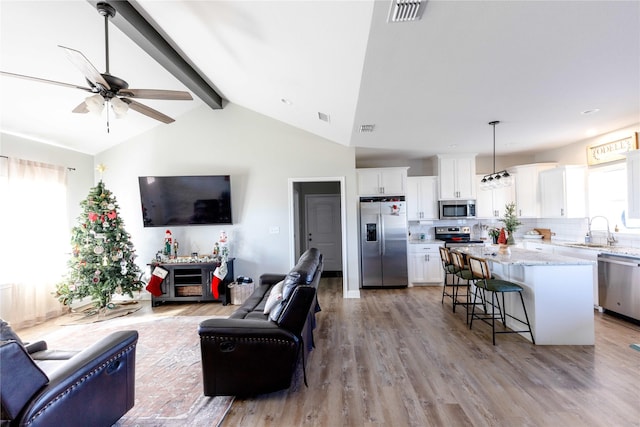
x=570 y=230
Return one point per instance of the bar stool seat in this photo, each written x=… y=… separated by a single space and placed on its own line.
x=485 y=283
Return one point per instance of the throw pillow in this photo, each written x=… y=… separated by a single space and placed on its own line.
x=275 y=296
x=7 y=333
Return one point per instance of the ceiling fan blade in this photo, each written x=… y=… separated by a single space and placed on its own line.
x=171 y=95
x=38 y=79
x=81 y=108
x=148 y=111
x=86 y=68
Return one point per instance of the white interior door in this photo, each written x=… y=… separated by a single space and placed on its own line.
x=323 y=228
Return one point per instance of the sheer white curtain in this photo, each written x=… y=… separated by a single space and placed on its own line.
x=34 y=240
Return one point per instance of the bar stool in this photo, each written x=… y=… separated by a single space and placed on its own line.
x=462 y=273
x=449 y=272
x=484 y=282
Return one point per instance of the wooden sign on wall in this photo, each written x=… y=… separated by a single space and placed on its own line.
x=611 y=151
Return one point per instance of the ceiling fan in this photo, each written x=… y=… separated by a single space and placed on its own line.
x=109 y=88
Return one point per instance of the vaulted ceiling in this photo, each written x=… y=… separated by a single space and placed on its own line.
x=428 y=86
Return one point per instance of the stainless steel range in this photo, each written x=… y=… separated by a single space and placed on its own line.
x=456 y=236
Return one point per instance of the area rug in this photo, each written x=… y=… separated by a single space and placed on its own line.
x=90 y=314
x=168 y=370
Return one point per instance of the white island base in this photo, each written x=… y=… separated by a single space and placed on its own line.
x=558 y=297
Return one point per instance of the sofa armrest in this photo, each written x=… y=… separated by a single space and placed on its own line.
x=34 y=347
x=100 y=377
x=271 y=278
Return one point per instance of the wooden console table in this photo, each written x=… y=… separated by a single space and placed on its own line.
x=191 y=282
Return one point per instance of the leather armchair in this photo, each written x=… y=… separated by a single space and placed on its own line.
x=42 y=387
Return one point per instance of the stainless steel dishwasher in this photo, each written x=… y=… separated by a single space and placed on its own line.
x=619 y=284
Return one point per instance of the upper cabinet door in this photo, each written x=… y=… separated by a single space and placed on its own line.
x=528 y=189
x=422 y=198
x=382 y=181
x=457 y=176
x=562 y=192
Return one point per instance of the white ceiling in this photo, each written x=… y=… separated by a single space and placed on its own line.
x=429 y=86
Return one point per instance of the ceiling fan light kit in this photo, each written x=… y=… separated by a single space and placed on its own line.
x=496 y=179
x=109 y=88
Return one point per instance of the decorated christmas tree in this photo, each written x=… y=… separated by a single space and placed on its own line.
x=103 y=257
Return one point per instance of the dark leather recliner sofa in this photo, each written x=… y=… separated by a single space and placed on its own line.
x=43 y=387
x=253 y=353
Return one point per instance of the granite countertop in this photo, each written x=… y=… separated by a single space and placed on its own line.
x=526 y=257
x=605 y=249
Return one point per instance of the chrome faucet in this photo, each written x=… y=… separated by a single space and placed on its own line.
x=610 y=238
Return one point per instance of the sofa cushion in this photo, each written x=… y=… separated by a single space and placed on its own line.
x=7 y=333
x=28 y=378
x=275 y=296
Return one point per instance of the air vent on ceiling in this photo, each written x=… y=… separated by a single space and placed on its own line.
x=324 y=117
x=367 y=128
x=405 y=10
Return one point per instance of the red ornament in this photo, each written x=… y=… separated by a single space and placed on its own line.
x=93 y=216
x=111 y=215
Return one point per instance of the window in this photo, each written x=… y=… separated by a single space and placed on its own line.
x=607 y=189
x=35 y=238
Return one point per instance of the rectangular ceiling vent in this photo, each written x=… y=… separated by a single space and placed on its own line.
x=366 y=128
x=324 y=117
x=405 y=10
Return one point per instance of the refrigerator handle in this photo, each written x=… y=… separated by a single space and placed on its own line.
x=381 y=219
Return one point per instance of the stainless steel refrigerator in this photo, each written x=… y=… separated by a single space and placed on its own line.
x=383 y=242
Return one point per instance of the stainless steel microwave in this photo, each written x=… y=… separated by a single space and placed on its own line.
x=456 y=209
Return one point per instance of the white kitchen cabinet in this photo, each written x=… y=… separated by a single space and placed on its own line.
x=491 y=203
x=424 y=263
x=422 y=197
x=382 y=181
x=562 y=192
x=527 y=188
x=633 y=184
x=456 y=177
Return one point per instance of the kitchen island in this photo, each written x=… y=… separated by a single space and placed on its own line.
x=557 y=292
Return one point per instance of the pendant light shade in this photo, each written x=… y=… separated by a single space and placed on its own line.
x=495 y=179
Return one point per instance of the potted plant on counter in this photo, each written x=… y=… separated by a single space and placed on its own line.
x=510 y=221
x=494 y=233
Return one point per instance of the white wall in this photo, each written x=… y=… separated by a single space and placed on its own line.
x=260 y=154
x=576 y=153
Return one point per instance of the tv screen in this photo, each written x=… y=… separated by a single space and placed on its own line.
x=185 y=200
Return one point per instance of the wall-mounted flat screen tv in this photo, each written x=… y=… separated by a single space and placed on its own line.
x=185 y=200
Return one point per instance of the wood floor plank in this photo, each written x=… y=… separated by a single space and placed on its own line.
x=399 y=357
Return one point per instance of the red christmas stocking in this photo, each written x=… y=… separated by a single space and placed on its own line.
x=215 y=282
x=157 y=277
x=218 y=276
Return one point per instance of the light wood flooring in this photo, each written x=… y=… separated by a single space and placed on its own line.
x=398 y=357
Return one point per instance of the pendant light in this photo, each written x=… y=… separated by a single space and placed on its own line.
x=495 y=179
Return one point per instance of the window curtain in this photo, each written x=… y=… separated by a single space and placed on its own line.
x=34 y=240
